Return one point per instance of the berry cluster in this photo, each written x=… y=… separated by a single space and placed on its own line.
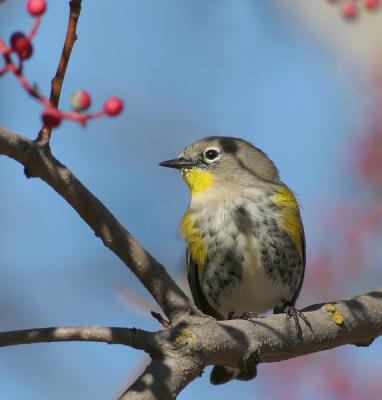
x=21 y=48
x=351 y=8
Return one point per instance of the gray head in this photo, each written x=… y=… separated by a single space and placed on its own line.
x=226 y=159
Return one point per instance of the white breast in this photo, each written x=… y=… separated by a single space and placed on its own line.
x=255 y=291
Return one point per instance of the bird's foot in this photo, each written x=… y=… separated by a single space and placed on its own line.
x=292 y=312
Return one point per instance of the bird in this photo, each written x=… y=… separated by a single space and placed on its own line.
x=245 y=242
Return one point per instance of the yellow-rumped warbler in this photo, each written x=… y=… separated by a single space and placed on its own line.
x=244 y=235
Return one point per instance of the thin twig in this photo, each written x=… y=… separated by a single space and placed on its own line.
x=160 y=319
x=71 y=36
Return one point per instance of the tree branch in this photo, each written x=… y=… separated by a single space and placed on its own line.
x=57 y=81
x=243 y=344
x=234 y=343
x=39 y=162
x=164 y=379
x=180 y=353
x=136 y=338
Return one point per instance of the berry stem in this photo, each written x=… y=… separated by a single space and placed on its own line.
x=82 y=118
x=30 y=89
x=35 y=27
x=4 y=50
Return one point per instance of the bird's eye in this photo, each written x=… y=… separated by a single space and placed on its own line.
x=211 y=154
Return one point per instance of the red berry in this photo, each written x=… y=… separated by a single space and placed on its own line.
x=21 y=45
x=113 y=106
x=36 y=7
x=349 y=9
x=372 y=4
x=51 y=117
x=80 y=100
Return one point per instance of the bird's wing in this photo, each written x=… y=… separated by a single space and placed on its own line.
x=303 y=248
x=196 y=291
x=292 y=224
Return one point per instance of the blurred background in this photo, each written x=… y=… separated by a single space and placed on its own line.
x=294 y=78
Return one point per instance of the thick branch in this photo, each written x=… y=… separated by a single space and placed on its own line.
x=39 y=162
x=271 y=339
x=180 y=353
x=243 y=344
x=136 y=338
x=164 y=379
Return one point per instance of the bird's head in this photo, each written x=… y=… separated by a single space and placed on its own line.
x=222 y=162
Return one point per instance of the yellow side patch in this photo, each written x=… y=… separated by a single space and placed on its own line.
x=290 y=221
x=192 y=237
x=197 y=180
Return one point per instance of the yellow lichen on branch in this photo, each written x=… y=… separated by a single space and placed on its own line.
x=337 y=317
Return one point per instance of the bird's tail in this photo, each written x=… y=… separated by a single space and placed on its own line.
x=220 y=374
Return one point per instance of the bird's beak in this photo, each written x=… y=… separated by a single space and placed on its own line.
x=178 y=163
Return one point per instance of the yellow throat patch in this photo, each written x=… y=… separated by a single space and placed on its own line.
x=197 y=180
x=290 y=222
x=191 y=235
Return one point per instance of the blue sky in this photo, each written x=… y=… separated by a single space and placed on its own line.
x=185 y=70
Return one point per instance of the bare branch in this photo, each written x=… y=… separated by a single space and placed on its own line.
x=39 y=162
x=164 y=379
x=57 y=81
x=273 y=338
x=180 y=353
x=243 y=344
x=136 y=338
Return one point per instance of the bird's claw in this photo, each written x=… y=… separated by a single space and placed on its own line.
x=292 y=312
